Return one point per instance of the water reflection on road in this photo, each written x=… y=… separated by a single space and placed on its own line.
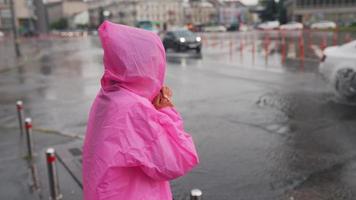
x=264 y=129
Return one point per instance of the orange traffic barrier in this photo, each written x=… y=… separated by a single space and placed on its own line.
x=335 y=37
x=283 y=49
x=301 y=47
x=266 y=44
x=324 y=42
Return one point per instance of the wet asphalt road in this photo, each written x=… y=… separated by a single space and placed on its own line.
x=263 y=130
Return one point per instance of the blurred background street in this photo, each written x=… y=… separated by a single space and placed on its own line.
x=267 y=122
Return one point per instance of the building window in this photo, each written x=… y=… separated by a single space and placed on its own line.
x=6 y=23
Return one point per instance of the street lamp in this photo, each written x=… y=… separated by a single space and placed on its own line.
x=14 y=29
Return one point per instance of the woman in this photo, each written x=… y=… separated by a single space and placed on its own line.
x=135 y=141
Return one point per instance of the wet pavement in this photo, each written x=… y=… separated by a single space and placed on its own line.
x=17 y=181
x=266 y=126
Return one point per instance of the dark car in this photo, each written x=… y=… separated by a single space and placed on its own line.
x=30 y=33
x=181 y=40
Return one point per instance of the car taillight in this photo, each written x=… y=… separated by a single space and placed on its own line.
x=323 y=58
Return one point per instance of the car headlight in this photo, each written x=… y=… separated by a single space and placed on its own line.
x=198 y=39
x=182 y=40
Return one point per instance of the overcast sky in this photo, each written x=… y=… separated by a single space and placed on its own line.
x=249 y=2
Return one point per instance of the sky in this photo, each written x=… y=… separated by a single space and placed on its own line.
x=249 y=2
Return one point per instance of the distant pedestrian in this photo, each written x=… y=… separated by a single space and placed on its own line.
x=135 y=141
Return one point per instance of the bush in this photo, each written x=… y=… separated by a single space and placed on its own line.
x=60 y=24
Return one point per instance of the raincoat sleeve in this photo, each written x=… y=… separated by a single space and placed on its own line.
x=167 y=151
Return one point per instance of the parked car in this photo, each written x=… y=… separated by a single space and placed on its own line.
x=233 y=27
x=270 y=25
x=338 y=67
x=292 y=26
x=219 y=28
x=243 y=28
x=181 y=40
x=323 y=25
x=148 y=25
x=30 y=33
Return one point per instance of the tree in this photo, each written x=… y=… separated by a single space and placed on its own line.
x=270 y=12
x=60 y=24
x=282 y=12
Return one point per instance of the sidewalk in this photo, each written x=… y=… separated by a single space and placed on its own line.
x=14 y=173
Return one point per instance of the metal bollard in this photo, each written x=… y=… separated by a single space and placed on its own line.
x=55 y=193
x=19 y=106
x=196 y=194
x=28 y=126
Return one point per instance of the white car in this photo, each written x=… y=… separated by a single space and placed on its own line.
x=214 y=29
x=338 y=67
x=269 y=25
x=323 y=25
x=291 y=26
x=243 y=28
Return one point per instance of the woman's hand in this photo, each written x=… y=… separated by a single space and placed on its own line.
x=163 y=99
x=167 y=92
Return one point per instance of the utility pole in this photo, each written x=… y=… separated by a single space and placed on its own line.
x=14 y=29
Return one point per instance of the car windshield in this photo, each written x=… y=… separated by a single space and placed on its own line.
x=184 y=34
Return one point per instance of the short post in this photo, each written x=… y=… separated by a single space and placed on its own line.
x=28 y=126
x=196 y=194
x=55 y=193
x=19 y=106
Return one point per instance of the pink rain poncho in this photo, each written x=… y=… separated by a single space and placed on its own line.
x=131 y=149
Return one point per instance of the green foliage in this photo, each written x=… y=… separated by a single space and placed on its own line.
x=347 y=29
x=270 y=13
x=60 y=24
x=273 y=11
x=282 y=12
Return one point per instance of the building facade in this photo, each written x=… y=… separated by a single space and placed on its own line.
x=200 y=13
x=54 y=11
x=343 y=12
x=161 y=11
x=25 y=15
x=129 y=12
x=5 y=15
x=233 y=12
x=74 y=7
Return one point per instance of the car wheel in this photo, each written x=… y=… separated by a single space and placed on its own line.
x=346 y=83
x=198 y=50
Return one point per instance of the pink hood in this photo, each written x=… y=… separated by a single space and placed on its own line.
x=131 y=149
x=134 y=59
